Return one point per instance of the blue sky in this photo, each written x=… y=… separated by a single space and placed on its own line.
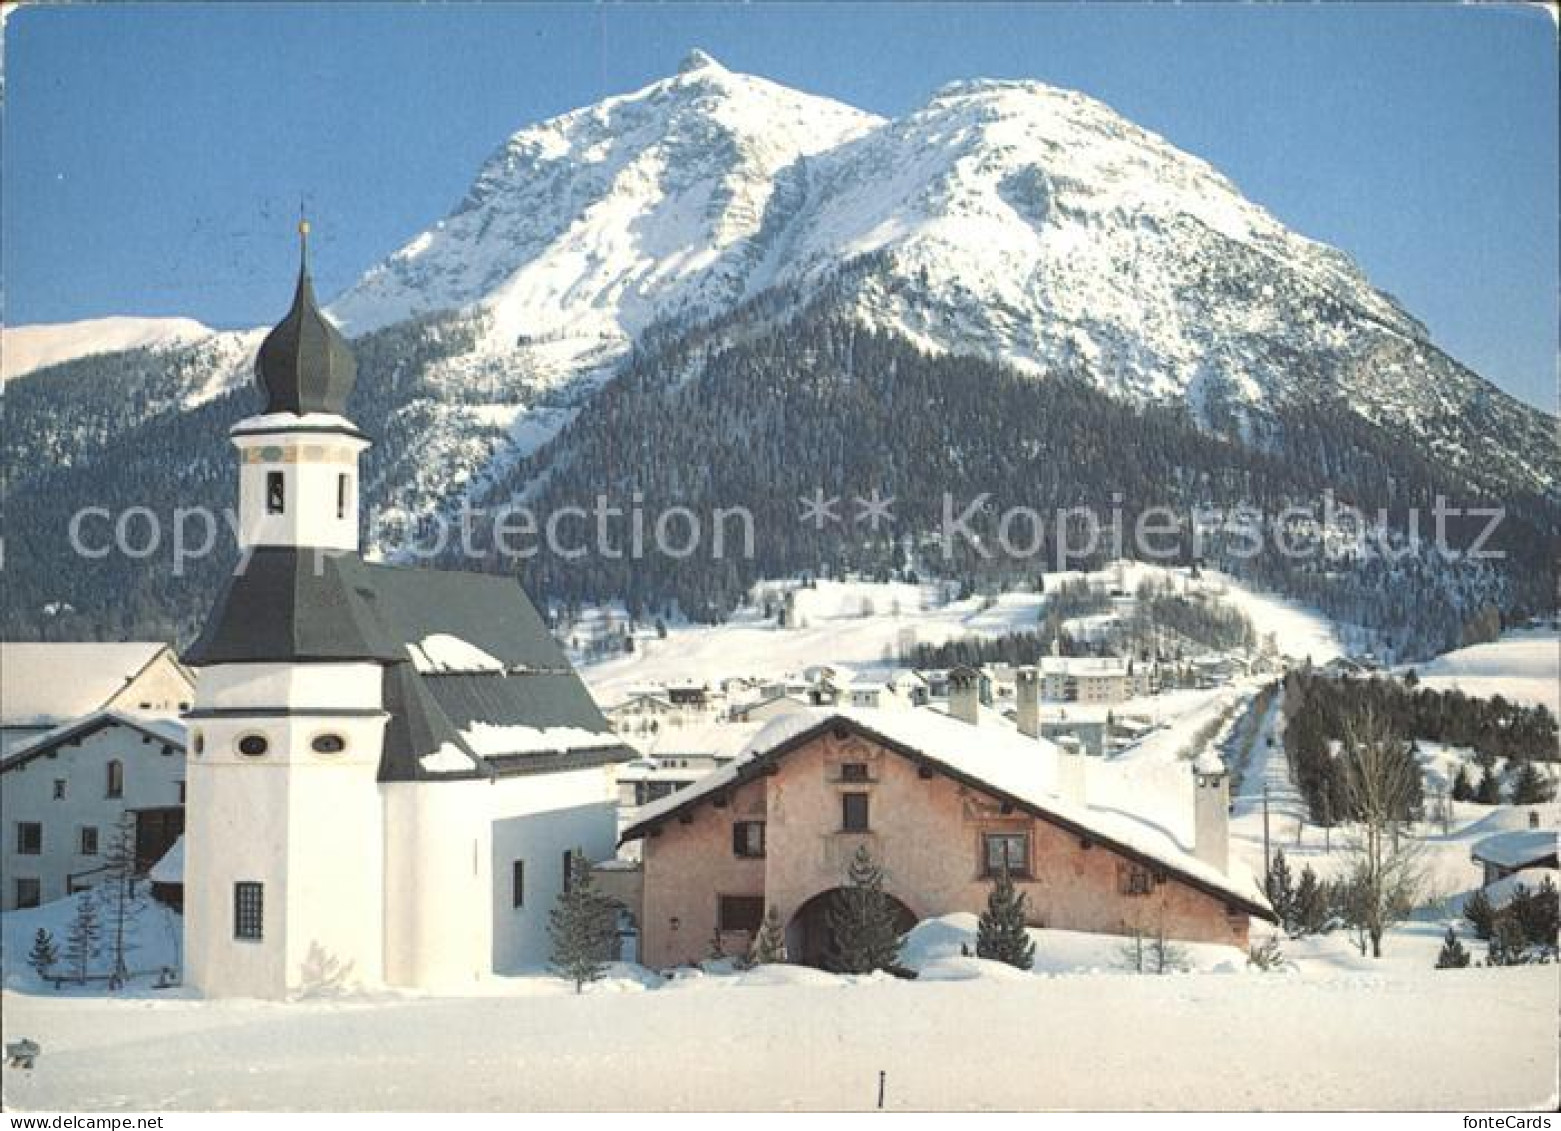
x=154 y=156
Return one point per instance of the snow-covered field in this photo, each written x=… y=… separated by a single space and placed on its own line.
x=967 y=1035
x=1524 y=665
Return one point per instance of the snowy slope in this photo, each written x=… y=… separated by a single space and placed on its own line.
x=1010 y=219
x=1523 y=666
x=24 y=349
x=597 y=223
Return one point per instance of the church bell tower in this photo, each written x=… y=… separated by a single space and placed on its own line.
x=284 y=841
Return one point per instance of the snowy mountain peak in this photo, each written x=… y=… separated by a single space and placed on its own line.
x=697 y=60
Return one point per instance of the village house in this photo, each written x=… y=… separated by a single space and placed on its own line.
x=44 y=686
x=1508 y=854
x=1096 y=679
x=65 y=793
x=942 y=806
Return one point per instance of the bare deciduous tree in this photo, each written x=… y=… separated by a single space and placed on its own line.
x=1382 y=788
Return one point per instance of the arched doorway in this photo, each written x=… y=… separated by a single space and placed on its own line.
x=808 y=935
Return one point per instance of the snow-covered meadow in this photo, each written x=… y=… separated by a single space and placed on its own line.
x=1077 y=1033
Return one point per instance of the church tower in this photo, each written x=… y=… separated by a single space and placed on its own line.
x=284 y=842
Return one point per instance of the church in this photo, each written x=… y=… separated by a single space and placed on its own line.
x=389 y=768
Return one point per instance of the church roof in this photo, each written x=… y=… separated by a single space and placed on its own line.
x=304 y=365
x=287 y=604
x=502 y=701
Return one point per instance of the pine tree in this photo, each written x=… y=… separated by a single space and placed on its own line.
x=1462 y=790
x=124 y=900
x=1281 y=892
x=44 y=954
x=582 y=926
x=1453 y=955
x=1480 y=914
x=1267 y=955
x=81 y=941
x=1311 y=904
x=863 y=937
x=769 y=945
x=1489 y=790
x=1508 y=946
x=1001 y=932
x=1166 y=957
x=1529 y=786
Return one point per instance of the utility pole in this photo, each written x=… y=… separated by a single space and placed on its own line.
x=1267 y=865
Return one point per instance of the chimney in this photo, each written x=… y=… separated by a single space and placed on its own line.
x=1027 y=687
x=1211 y=811
x=965 y=695
x=1070 y=771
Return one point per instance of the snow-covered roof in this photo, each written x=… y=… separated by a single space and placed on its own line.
x=170 y=731
x=703 y=740
x=300 y=422
x=170 y=869
x=1083 y=665
x=1516 y=849
x=52 y=682
x=1011 y=765
x=1501 y=892
x=443 y=652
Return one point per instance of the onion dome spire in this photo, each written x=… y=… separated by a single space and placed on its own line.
x=304 y=364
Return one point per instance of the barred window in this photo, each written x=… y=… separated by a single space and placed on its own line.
x=248 y=910
x=1133 y=879
x=1007 y=850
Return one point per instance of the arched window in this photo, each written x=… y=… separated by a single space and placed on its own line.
x=116 y=779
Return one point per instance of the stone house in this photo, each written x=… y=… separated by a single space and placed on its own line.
x=940 y=805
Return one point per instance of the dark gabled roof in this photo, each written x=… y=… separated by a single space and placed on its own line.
x=292 y=605
x=761 y=762
x=304 y=364
x=169 y=733
x=287 y=604
x=488 y=611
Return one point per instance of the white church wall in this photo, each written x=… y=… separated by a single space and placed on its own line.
x=334 y=687
x=306 y=826
x=537 y=819
x=450 y=848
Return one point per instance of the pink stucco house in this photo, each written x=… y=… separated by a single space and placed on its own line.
x=941 y=805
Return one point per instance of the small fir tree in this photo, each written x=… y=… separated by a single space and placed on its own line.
x=769 y=945
x=1166 y=957
x=1489 y=790
x=1535 y=911
x=1462 y=790
x=582 y=926
x=1529 y=786
x=1480 y=914
x=1311 y=905
x=124 y=899
x=1001 y=932
x=1507 y=947
x=81 y=940
x=1267 y=955
x=44 y=954
x=1281 y=890
x=1453 y=956
x=863 y=937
